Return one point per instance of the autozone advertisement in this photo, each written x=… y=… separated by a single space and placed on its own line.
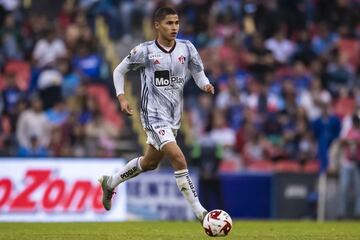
x=57 y=190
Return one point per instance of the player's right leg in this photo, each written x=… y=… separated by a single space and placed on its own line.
x=148 y=162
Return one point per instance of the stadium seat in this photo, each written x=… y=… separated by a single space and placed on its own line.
x=312 y=166
x=351 y=50
x=261 y=166
x=287 y=166
x=229 y=166
x=107 y=105
x=22 y=71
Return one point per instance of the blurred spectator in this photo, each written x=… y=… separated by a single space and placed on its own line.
x=304 y=51
x=48 y=49
x=326 y=129
x=207 y=157
x=261 y=59
x=100 y=136
x=338 y=73
x=33 y=123
x=87 y=64
x=11 y=94
x=5 y=136
x=49 y=86
x=311 y=99
x=34 y=150
x=10 y=38
x=281 y=47
x=345 y=104
x=71 y=80
x=350 y=170
x=324 y=41
x=223 y=136
x=58 y=114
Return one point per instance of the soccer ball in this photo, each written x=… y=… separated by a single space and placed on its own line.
x=217 y=223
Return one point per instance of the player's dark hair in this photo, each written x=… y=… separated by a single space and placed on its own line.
x=161 y=13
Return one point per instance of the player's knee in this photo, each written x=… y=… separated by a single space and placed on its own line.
x=148 y=164
x=152 y=166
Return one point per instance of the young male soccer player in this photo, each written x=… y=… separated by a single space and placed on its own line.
x=164 y=64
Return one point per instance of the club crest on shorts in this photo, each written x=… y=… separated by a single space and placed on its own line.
x=162 y=132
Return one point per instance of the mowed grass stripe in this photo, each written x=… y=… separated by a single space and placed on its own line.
x=259 y=230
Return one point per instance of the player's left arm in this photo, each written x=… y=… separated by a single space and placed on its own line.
x=197 y=70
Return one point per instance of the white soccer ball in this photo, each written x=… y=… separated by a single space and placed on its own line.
x=217 y=223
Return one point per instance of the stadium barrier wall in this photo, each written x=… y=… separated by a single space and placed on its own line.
x=155 y=196
x=53 y=189
x=57 y=190
x=251 y=195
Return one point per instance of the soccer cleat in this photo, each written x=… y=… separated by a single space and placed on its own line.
x=201 y=220
x=107 y=192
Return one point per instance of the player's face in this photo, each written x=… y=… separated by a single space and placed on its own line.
x=168 y=27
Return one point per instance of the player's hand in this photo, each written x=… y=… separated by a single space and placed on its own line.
x=209 y=88
x=125 y=106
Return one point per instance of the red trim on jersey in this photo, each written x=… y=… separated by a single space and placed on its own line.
x=164 y=50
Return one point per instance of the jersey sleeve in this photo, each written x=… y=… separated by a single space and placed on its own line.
x=195 y=63
x=136 y=57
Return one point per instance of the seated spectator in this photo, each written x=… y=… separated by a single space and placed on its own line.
x=71 y=80
x=223 y=135
x=281 y=47
x=33 y=122
x=345 y=104
x=49 y=86
x=48 y=49
x=324 y=41
x=58 y=114
x=11 y=94
x=87 y=64
x=261 y=59
x=338 y=73
x=10 y=38
x=311 y=99
x=34 y=150
x=254 y=149
x=101 y=136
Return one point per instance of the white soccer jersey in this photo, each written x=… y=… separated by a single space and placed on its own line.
x=163 y=75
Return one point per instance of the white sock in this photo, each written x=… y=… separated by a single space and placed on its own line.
x=131 y=169
x=187 y=188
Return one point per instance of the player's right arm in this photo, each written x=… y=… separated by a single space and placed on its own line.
x=133 y=61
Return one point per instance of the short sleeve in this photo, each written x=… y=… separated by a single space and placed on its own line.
x=136 y=57
x=195 y=63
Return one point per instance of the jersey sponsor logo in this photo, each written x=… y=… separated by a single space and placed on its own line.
x=155 y=56
x=156 y=62
x=162 y=132
x=182 y=59
x=163 y=79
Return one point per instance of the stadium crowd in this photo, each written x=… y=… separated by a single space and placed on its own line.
x=287 y=76
x=48 y=63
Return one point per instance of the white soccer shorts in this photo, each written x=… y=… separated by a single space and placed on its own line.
x=158 y=137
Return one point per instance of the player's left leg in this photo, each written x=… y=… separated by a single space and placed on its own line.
x=183 y=180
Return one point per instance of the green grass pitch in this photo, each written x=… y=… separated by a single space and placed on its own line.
x=259 y=230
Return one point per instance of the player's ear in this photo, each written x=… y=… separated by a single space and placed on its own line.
x=156 y=25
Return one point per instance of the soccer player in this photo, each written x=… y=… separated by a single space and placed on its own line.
x=164 y=65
